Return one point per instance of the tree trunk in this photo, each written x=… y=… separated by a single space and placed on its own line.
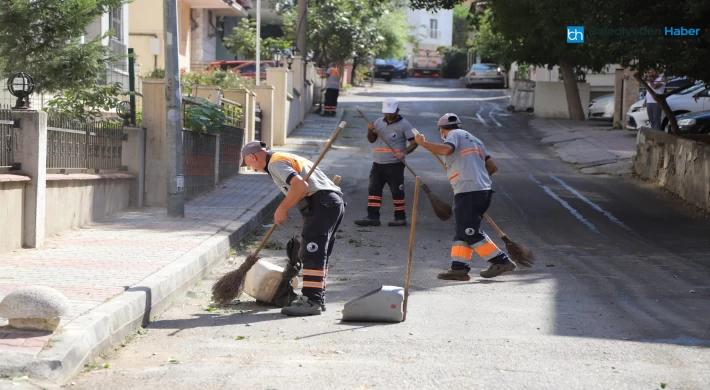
x=661 y=100
x=574 y=103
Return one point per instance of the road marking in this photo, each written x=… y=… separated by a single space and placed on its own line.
x=480 y=118
x=490 y=115
x=566 y=205
x=595 y=206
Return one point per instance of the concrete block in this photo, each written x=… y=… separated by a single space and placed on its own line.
x=551 y=100
x=34 y=308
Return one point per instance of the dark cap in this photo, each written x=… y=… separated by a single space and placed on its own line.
x=449 y=119
x=254 y=147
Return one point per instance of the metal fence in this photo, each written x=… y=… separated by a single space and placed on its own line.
x=233 y=112
x=231 y=141
x=74 y=144
x=199 y=150
x=257 y=123
x=6 y=149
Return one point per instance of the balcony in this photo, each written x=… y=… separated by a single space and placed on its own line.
x=433 y=34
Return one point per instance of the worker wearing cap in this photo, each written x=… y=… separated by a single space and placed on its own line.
x=469 y=167
x=332 y=90
x=322 y=208
x=388 y=167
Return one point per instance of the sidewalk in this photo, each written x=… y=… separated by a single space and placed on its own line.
x=592 y=146
x=121 y=272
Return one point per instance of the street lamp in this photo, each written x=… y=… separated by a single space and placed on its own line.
x=276 y=56
x=294 y=50
x=21 y=85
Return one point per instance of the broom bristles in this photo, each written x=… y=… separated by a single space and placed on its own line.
x=519 y=253
x=441 y=208
x=231 y=285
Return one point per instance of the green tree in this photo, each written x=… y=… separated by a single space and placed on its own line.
x=488 y=43
x=344 y=30
x=243 y=41
x=686 y=56
x=42 y=38
x=460 y=28
x=531 y=31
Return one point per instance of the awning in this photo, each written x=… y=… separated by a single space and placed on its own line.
x=219 y=7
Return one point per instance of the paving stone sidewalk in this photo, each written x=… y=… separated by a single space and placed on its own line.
x=97 y=266
x=594 y=147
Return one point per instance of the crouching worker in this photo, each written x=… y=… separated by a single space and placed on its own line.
x=469 y=167
x=321 y=205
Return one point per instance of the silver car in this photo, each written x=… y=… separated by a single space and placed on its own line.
x=485 y=74
x=602 y=107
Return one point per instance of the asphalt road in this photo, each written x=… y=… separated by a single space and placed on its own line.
x=618 y=299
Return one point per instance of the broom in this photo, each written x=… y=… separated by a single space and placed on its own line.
x=231 y=284
x=441 y=208
x=411 y=248
x=517 y=252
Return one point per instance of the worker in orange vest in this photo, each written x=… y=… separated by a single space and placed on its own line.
x=332 y=90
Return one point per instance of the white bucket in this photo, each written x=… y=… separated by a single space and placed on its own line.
x=263 y=280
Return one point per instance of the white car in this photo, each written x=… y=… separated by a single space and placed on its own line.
x=680 y=103
x=601 y=108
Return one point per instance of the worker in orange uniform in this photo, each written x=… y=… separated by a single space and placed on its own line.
x=469 y=168
x=332 y=90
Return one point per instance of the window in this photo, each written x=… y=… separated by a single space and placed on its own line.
x=485 y=67
x=116 y=23
x=433 y=29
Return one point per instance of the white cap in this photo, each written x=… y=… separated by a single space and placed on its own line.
x=390 y=106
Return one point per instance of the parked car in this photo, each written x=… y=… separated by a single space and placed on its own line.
x=226 y=65
x=388 y=69
x=602 y=107
x=249 y=69
x=680 y=103
x=694 y=123
x=486 y=74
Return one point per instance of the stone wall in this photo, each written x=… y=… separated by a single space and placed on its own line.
x=677 y=164
x=12 y=189
x=75 y=200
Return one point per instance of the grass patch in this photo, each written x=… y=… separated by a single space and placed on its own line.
x=364 y=231
x=241 y=337
x=273 y=245
x=355 y=242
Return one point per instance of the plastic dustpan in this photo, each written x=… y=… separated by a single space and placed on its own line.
x=382 y=305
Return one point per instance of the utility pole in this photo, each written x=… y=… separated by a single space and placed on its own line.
x=301 y=29
x=257 y=79
x=173 y=100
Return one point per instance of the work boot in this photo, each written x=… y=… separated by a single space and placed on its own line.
x=455 y=274
x=368 y=222
x=301 y=307
x=495 y=269
x=398 y=222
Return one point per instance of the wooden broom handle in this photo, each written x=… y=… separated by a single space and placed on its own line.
x=313 y=168
x=488 y=218
x=387 y=143
x=411 y=246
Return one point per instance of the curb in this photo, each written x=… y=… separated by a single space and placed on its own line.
x=113 y=321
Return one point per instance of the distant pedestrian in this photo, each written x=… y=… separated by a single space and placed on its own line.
x=332 y=90
x=658 y=84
